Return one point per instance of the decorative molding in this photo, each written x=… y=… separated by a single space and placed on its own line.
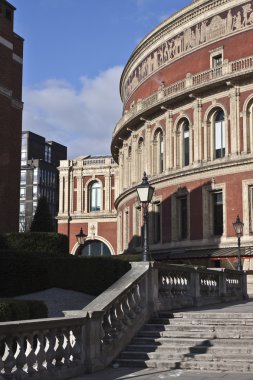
x=219 y=26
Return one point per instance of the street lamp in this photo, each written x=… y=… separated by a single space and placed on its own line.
x=238 y=227
x=145 y=193
x=81 y=237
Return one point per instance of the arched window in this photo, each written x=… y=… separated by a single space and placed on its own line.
x=95 y=195
x=95 y=248
x=186 y=143
x=248 y=129
x=219 y=135
x=158 y=152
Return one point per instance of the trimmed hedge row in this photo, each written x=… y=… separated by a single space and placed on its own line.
x=16 y=310
x=50 y=242
x=23 y=272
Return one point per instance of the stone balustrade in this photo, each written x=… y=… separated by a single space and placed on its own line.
x=89 y=339
x=190 y=83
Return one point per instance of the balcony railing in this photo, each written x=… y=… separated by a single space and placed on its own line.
x=190 y=83
x=88 y=340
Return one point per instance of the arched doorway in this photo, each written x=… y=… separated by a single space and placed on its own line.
x=94 y=248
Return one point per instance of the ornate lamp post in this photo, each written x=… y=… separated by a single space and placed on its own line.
x=238 y=227
x=145 y=193
x=81 y=237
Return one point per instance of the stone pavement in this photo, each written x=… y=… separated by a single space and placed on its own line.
x=153 y=374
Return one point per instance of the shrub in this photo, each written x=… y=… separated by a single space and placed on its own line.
x=49 y=242
x=15 y=310
x=23 y=272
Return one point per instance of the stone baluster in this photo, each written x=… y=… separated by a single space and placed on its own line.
x=126 y=311
x=67 y=348
x=107 y=327
x=30 y=352
x=50 y=338
x=75 y=339
x=9 y=361
x=20 y=356
x=59 y=351
x=131 y=303
x=41 y=355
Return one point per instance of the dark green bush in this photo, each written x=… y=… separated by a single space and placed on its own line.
x=15 y=310
x=23 y=272
x=49 y=242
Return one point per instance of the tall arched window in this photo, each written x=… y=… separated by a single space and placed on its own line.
x=186 y=144
x=95 y=195
x=158 y=152
x=219 y=135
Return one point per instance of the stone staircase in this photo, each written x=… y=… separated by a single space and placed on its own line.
x=212 y=341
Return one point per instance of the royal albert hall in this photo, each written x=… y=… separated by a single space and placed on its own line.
x=187 y=93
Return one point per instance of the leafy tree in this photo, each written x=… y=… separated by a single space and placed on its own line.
x=42 y=220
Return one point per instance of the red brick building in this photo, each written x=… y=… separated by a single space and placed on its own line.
x=11 y=60
x=88 y=189
x=187 y=93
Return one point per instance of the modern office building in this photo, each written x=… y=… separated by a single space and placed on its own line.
x=39 y=176
x=88 y=189
x=11 y=65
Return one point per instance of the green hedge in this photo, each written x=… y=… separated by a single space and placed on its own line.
x=23 y=272
x=49 y=242
x=15 y=310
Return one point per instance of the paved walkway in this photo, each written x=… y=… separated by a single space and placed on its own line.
x=154 y=374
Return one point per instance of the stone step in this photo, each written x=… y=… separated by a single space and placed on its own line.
x=205 y=315
x=209 y=321
x=186 y=349
x=194 y=327
x=232 y=366
x=164 y=355
x=191 y=342
x=196 y=334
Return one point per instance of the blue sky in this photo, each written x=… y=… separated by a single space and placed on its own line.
x=74 y=53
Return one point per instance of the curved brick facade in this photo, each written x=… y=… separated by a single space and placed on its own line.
x=187 y=121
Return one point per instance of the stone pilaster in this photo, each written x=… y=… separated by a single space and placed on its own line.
x=197 y=145
x=234 y=121
x=147 y=154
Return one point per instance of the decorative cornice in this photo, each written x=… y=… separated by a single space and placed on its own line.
x=184 y=175
x=178 y=37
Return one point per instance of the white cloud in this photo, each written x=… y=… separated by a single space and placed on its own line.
x=82 y=119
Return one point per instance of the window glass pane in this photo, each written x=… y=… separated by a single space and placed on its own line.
x=218 y=213
x=186 y=145
x=95 y=197
x=23 y=176
x=219 y=135
x=22 y=192
x=95 y=248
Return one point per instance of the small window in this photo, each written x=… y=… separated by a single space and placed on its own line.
x=217 y=60
x=48 y=153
